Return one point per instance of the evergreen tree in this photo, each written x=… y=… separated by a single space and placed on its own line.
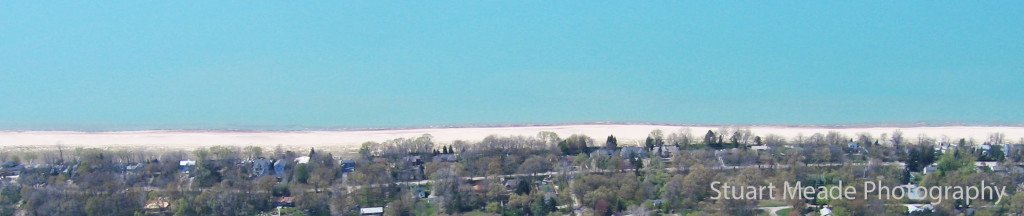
x=649 y=143
x=523 y=187
x=612 y=143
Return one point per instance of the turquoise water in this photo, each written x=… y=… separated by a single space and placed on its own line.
x=285 y=65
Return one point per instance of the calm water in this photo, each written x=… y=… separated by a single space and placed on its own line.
x=177 y=65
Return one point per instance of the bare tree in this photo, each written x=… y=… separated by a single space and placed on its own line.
x=834 y=138
x=682 y=137
x=864 y=139
x=897 y=137
x=658 y=136
x=253 y=152
x=996 y=138
x=799 y=139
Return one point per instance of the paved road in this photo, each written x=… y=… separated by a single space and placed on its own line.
x=670 y=169
x=772 y=210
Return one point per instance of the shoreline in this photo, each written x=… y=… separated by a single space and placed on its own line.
x=355 y=129
x=349 y=140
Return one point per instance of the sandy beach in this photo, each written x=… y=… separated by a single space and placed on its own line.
x=348 y=140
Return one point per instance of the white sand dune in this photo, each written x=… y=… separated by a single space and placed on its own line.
x=347 y=140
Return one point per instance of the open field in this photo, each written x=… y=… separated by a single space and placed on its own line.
x=348 y=140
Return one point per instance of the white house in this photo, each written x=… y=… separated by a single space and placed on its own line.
x=931 y=168
x=913 y=208
x=372 y=211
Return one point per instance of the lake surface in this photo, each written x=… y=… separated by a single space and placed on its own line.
x=335 y=65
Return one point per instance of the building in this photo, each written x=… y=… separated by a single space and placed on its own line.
x=990 y=165
x=186 y=165
x=446 y=158
x=922 y=208
x=943 y=147
x=10 y=168
x=288 y=201
x=931 y=168
x=261 y=167
x=134 y=167
x=156 y=205
x=412 y=160
x=348 y=165
x=371 y=211
x=669 y=150
x=627 y=151
x=302 y=160
x=602 y=152
x=279 y=168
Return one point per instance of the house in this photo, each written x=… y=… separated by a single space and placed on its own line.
x=302 y=160
x=923 y=208
x=547 y=187
x=186 y=165
x=134 y=167
x=853 y=145
x=510 y=184
x=261 y=167
x=156 y=205
x=913 y=192
x=931 y=168
x=478 y=187
x=656 y=202
x=279 y=166
x=288 y=201
x=411 y=173
x=371 y=211
x=760 y=148
x=602 y=152
x=991 y=165
x=633 y=151
x=421 y=192
x=825 y=211
x=943 y=147
x=348 y=165
x=669 y=150
x=10 y=168
x=984 y=148
x=412 y=160
x=1013 y=149
x=446 y=158
x=566 y=161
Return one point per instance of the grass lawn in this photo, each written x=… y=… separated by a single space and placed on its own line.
x=784 y=211
x=760 y=212
x=771 y=203
x=478 y=213
x=421 y=207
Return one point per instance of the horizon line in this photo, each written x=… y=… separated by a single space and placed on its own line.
x=314 y=129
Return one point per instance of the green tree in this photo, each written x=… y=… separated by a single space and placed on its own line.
x=611 y=143
x=302 y=173
x=523 y=187
x=709 y=139
x=1016 y=204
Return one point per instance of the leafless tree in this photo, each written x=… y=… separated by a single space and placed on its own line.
x=253 y=152
x=864 y=139
x=834 y=138
x=897 y=137
x=681 y=137
x=996 y=138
